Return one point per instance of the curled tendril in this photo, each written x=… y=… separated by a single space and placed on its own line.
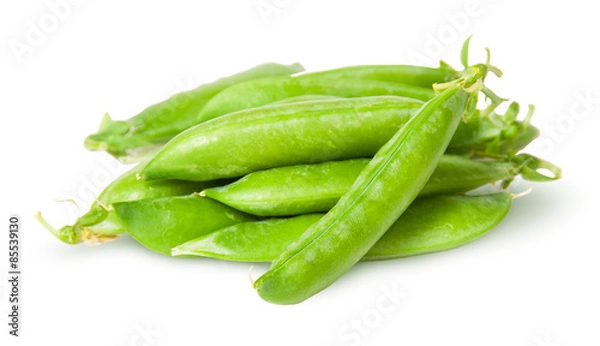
x=464 y=58
x=532 y=168
x=65 y=234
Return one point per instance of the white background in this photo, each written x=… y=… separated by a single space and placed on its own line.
x=532 y=281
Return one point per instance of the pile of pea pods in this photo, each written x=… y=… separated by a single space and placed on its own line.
x=315 y=171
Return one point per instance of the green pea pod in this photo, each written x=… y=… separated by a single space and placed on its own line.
x=305 y=189
x=136 y=138
x=382 y=192
x=100 y=224
x=282 y=135
x=429 y=225
x=419 y=76
x=265 y=91
x=405 y=76
x=162 y=223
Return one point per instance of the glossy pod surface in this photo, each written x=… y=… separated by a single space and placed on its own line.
x=383 y=190
x=162 y=223
x=305 y=189
x=282 y=135
x=429 y=225
x=407 y=74
x=265 y=91
x=306 y=98
x=292 y=133
x=131 y=139
x=441 y=223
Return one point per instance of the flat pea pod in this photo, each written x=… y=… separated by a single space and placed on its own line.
x=429 y=225
x=407 y=74
x=135 y=138
x=162 y=223
x=382 y=192
x=282 y=135
x=100 y=224
x=304 y=189
x=265 y=91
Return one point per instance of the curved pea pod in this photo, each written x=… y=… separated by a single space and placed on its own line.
x=162 y=223
x=429 y=225
x=282 y=135
x=100 y=224
x=407 y=74
x=305 y=189
x=137 y=137
x=264 y=91
x=383 y=191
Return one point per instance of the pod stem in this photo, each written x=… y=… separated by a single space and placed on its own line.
x=464 y=58
x=91 y=239
x=75 y=234
x=65 y=234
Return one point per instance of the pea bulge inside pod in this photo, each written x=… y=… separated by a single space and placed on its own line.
x=282 y=135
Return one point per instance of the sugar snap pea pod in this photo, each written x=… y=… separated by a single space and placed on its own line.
x=282 y=135
x=131 y=140
x=265 y=91
x=429 y=225
x=162 y=223
x=100 y=224
x=441 y=223
x=286 y=134
x=255 y=241
x=407 y=74
x=304 y=189
x=382 y=192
